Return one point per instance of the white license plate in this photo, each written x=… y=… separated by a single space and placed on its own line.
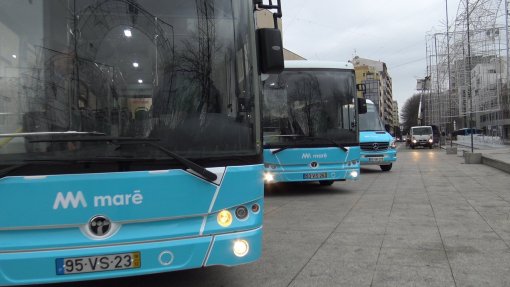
x=375 y=159
x=99 y=263
x=315 y=175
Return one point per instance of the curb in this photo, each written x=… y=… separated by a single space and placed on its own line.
x=495 y=163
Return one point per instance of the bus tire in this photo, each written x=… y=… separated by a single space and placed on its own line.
x=326 y=182
x=386 y=167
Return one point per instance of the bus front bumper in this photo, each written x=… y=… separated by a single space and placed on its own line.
x=378 y=158
x=39 y=267
x=274 y=176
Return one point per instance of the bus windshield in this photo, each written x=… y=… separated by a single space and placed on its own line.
x=314 y=103
x=178 y=72
x=371 y=120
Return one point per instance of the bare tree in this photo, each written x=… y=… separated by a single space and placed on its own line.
x=308 y=95
x=197 y=57
x=410 y=112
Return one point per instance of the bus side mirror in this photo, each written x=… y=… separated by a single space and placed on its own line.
x=361 y=88
x=270 y=51
x=362 y=106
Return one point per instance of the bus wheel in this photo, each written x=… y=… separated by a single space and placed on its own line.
x=386 y=167
x=326 y=182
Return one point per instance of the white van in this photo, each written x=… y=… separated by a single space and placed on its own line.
x=421 y=136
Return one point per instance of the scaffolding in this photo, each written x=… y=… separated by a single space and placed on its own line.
x=467 y=64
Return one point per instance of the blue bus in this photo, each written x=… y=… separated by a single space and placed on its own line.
x=378 y=147
x=310 y=131
x=136 y=147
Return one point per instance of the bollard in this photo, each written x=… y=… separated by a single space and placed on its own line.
x=472 y=158
x=451 y=150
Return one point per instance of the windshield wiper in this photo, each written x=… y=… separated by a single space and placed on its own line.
x=279 y=150
x=331 y=141
x=204 y=173
x=6 y=171
x=311 y=138
x=35 y=134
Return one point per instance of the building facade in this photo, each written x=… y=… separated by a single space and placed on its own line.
x=265 y=19
x=487 y=83
x=374 y=75
x=396 y=116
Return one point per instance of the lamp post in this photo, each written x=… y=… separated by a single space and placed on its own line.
x=469 y=82
x=438 y=88
x=449 y=76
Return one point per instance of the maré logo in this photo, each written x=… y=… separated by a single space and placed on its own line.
x=77 y=200
x=314 y=156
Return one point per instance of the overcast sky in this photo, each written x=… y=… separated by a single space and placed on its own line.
x=392 y=31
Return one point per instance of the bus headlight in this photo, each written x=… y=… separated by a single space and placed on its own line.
x=241 y=248
x=393 y=144
x=224 y=218
x=268 y=177
x=354 y=174
x=431 y=140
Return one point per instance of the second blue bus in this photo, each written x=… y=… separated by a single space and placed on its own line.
x=378 y=147
x=310 y=123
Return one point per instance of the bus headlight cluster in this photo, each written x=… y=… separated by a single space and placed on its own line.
x=268 y=177
x=393 y=144
x=224 y=218
x=431 y=140
x=352 y=162
x=354 y=174
x=241 y=248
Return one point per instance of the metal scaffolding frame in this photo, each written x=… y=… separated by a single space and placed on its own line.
x=467 y=64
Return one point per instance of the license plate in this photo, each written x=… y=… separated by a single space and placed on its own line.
x=99 y=263
x=375 y=159
x=315 y=175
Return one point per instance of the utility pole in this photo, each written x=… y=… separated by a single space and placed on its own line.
x=506 y=104
x=469 y=74
x=450 y=76
x=438 y=88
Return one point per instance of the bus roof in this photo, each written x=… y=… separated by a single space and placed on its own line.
x=318 y=65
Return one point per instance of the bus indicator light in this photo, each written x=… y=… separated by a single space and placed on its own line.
x=241 y=212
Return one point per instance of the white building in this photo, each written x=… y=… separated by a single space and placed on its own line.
x=487 y=81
